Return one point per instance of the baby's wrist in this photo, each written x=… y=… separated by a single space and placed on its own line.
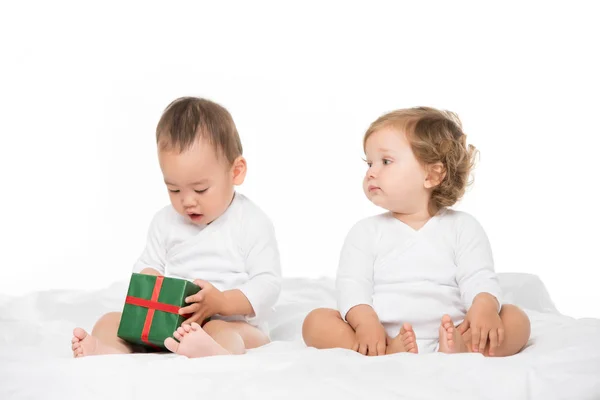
x=487 y=299
x=222 y=306
x=234 y=302
x=361 y=315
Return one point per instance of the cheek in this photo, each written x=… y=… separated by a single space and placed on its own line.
x=213 y=200
x=413 y=180
x=398 y=179
x=175 y=201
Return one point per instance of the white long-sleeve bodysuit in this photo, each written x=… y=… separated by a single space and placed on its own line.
x=416 y=276
x=236 y=251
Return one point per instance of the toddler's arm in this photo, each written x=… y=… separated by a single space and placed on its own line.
x=257 y=296
x=475 y=273
x=479 y=287
x=370 y=333
x=152 y=260
x=355 y=290
x=354 y=281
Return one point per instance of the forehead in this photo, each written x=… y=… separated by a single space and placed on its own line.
x=387 y=138
x=199 y=162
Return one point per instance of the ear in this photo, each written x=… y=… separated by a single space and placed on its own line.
x=238 y=170
x=435 y=175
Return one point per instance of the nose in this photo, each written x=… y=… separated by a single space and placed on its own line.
x=372 y=172
x=188 y=200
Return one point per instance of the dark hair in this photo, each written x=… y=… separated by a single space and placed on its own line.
x=189 y=118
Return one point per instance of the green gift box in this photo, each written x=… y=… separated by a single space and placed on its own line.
x=150 y=314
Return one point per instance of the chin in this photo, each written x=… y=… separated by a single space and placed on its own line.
x=378 y=203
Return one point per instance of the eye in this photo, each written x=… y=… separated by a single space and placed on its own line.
x=386 y=161
x=201 y=191
x=174 y=190
x=369 y=163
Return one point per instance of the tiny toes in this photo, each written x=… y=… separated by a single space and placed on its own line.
x=181 y=331
x=177 y=336
x=186 y=328
x=195 y=326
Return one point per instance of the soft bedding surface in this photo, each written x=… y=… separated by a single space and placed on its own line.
x=561 y=361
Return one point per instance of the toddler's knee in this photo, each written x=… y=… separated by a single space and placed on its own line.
x=215 y=325
x=315 y=318
x=514 y=315
x=517 y=322
x=108 y=321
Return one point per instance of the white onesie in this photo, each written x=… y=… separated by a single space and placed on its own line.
x=416 y=276
x=236 y=251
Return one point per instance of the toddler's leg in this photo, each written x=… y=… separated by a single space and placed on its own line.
x=324 y=328
x=517 y=329
x=216 y=337
x=103 y=339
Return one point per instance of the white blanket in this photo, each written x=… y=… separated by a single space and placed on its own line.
x=561 y=361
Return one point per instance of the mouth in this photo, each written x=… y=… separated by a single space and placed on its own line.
x=195 y=217
x=373 y=188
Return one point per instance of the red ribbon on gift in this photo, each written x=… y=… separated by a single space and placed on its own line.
x=152 y=305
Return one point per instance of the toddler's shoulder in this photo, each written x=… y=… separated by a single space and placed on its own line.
x=166 y=216
x=459 y=221
x=370 y=226
x=251 y=216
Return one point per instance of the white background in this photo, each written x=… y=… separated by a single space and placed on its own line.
x=82 y=88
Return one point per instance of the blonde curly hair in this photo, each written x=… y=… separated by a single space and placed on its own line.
x=435 y=136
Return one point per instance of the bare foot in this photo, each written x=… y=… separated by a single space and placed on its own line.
x=451 y=340
x=84 y=344
x=194 y=342
x=405 y=342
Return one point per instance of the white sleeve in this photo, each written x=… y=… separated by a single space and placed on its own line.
x=262 y=265
x=475 y=266
x=154 y=253
x=354 y=282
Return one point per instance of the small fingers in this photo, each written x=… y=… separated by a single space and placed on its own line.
x=362 y=349
x=493 y=342
x=483 y=339
x=195 y=298
x=381 y=348
x=372 y=349
x=201 y=283
x=500 y=336
x=475 y=335
x=198 y=315
x=192 y=308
